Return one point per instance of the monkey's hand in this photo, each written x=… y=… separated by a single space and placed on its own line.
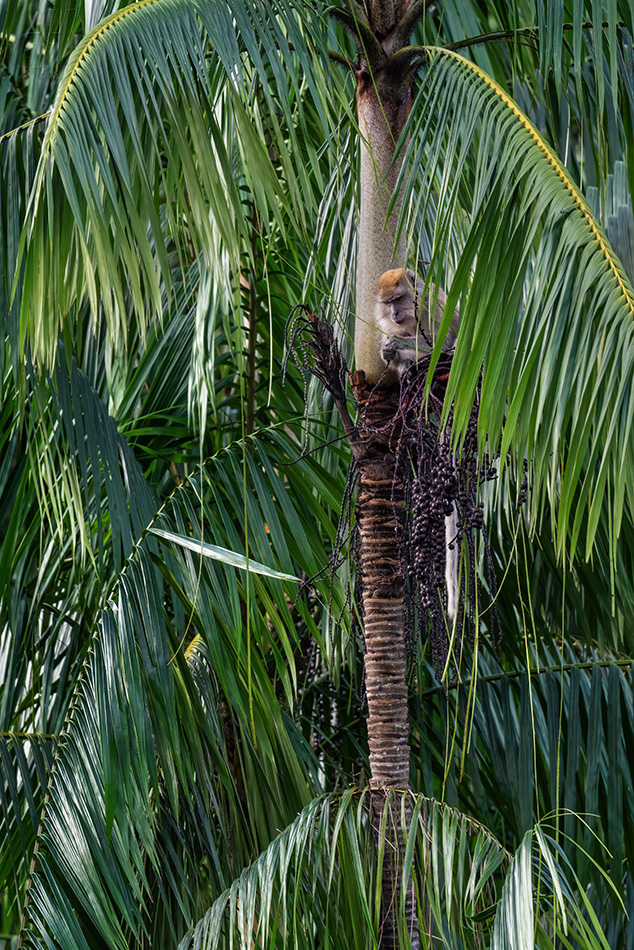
x=388 y=350
x=403 y=349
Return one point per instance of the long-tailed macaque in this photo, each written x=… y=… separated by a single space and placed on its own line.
x=403 y=317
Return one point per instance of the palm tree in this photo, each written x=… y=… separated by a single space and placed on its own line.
x=183 y=740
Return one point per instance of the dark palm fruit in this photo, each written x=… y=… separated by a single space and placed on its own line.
x=429 y=481
x=435 y=483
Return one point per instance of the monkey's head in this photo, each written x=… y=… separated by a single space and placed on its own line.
x=397 y=292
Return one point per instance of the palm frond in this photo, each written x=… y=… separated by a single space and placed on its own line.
x=183 y=674
x=84 y=464
x=617 y=216
x=25 y=762
x=146 y=739
x=552 y=346
x=138 y=115
x=315 y=885
x=594 y=599
x=588 y=31
x=221 y=554
x=550 y=741
x=562 y=911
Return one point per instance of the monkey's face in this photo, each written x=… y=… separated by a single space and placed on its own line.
x=398 y=312
x=401 y=308
x=396 y=300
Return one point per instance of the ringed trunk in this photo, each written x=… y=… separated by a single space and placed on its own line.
x=383 y=610
x=384 y=101
x=379 y=505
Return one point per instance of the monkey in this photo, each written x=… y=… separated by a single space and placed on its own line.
x=404 y=322
x=407 y=335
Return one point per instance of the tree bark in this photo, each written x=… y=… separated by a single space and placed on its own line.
x=380 y=501
x=383 y=612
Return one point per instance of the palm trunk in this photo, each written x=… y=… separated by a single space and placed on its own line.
x=379 y=251
x=380 y=501
x=382 y=31
x=383 y=613
x=386 y=686
x=381 y=123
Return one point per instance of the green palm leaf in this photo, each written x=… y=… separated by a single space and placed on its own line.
x=289 y=894
x=551 y=741
x=221 y=554
x=167 y=722
x=145 y=738
x=25 y=762
x=553 y=347
x=136 y=115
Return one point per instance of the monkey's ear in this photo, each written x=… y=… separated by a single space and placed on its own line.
x=411 y=276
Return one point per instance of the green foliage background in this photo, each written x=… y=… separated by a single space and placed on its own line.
x=182 y=742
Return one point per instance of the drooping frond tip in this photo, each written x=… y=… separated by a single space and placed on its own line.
x=623 y=284
x=546 y=306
